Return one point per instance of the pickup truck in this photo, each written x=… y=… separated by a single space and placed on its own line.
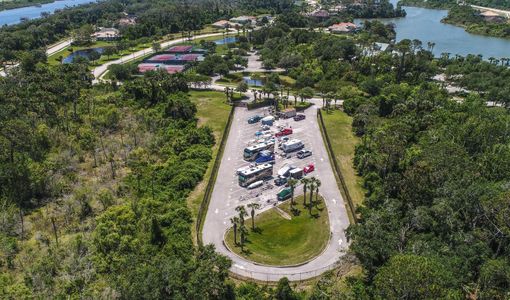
x=284 y=194
x=284 y=132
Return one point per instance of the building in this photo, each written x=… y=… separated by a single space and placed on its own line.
x=337 y=9
x=491 y=16
x=342 y=28
x=320 y=15
x=222 y=24
x=106 y=34
x=127 y=21
x=244 y=20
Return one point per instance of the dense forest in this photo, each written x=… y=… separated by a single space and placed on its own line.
x=451 y=3
x=471 y=20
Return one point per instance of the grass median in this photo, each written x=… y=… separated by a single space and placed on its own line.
x=212 y=112
x=343 y=141
x=280 y=241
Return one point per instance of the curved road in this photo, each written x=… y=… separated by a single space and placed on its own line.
x=222 y=208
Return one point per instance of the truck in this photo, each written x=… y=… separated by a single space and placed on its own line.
x=292 y=145
x=288 y=113
x=265 y=156
x=284 y=171
x=283 y=132
x=284 y=194
x=296 y=173
x=254 y=119
x=269 y=120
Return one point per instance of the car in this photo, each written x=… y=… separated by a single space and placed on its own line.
x=280 y=181
x=299 y=117
x=304 y=153
x=284 y=194
x=284 y=132
x=254 y=119
x=285 y=139
x=308 y=169
x=265 y=127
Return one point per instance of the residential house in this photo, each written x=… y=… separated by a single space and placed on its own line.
x=342 y=28
x=106 y=34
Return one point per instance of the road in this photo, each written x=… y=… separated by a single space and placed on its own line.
x=49 y=51
x=221 y=207
x=504 y=13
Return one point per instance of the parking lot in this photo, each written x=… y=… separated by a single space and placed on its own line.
x=228 y=194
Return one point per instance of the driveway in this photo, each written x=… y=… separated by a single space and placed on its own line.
x=225 y=198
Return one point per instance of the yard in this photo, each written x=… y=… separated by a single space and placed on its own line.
x=338 y=126
x=279 y=241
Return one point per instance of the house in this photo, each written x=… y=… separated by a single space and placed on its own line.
x=244 y=20
x=222 y=24
x=320 y=15
x=342 y=28
x=490 y=16
x=127 y=21
x=106 y=34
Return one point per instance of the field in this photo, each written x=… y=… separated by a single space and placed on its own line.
x=212 y=112
x=338 y=125
x=280 y=241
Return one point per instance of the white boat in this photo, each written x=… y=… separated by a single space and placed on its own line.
x=256 y=184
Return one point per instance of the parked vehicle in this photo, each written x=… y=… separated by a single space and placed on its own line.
x=284 y=171
x=284 y=194
x=254 y=119
x=244 y=168
x=265 y=127
x=304 y=153
x=251 y=153
x=256 y=184
x=269 y=120
x=299 y=117
x=254 y=174
x=280 y=180
x=284 y=132
x=288 y=113
x=265 y=156
x=308 y=169
x=292 y=145
x=296 y=173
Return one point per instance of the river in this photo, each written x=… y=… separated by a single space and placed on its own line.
x=13 y=16
x=425 y=25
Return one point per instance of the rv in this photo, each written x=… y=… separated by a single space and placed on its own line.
x=292 y=145
x=257 y=173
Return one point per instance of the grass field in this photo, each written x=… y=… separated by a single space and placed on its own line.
x=279 y=241
x=338 y=125
x=212 y=112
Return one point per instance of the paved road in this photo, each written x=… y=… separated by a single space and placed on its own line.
x=504 y=13
x=49 y=51
x=222 y=208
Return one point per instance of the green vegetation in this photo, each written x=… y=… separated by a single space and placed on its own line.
x=11 y=4
x=212 y=111
x=343 y=141
x=279 y=241
x=473 y=22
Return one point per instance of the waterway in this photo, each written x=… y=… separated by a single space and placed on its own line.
x=226 y=40
x=14 y=16
x=81 y=53
x=425 y=25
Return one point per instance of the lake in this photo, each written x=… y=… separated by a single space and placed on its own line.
x=13 y=16
x=425 y=25
x=227 y=40
x=83 y=53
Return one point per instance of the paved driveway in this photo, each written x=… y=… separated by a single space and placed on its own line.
x=226 y=196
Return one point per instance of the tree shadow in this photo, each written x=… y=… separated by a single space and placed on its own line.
x=257 y=230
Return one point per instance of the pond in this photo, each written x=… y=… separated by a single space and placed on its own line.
x=425 y=25
x=14 y=16
x=227 y=40
x=253 y=82
x=81 y=53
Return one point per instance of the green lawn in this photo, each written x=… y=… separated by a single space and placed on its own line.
x=338 y=125
x=212 y=112
x=279 y=241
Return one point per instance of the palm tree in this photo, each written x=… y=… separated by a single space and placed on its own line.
x=253 y=207
x=305 y=181
x=312 y=189
x=242 y=213
x=235 y=222
x=317 y=186
x=292 y=184
x=243 y=232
